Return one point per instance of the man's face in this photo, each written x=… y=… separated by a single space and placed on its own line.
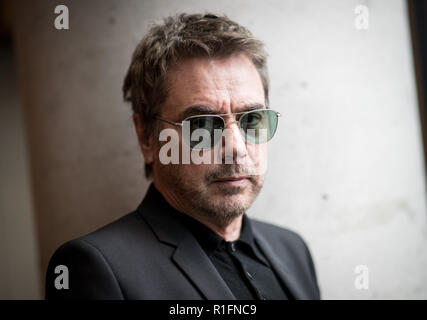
x=218 y=192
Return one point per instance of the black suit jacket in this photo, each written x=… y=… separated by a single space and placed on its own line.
x=150 y=254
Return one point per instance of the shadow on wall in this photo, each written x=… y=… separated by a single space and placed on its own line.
x=19 y=267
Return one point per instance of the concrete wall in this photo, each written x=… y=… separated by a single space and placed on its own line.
x=346 y=167
x=19 y=264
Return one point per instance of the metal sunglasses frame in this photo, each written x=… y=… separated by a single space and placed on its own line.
x=180 y=124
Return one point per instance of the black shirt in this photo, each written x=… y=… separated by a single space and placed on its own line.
x=240 y=263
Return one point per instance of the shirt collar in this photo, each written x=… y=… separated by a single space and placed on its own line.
x=208 y=239
x=211 y=241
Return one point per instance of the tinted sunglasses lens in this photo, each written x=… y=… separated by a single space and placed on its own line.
x=258 y=126
x=202 y=131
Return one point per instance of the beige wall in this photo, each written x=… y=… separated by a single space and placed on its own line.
x=19 y=261
x=86 y=167
x=346 y=167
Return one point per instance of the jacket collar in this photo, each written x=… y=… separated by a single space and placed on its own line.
x=284 y=272
x=188 y=255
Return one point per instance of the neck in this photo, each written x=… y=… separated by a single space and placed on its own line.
x=229 y=232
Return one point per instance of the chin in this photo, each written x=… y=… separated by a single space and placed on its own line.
x=234 y=200
x=229 y=191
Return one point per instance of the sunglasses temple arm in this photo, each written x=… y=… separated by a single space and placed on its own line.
x=170 y=122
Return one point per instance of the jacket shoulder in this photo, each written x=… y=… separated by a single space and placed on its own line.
x=292 y=247
x=90 y=260
x=78 y=270
x=276 y=233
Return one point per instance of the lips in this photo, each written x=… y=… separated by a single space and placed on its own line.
x=231 y=179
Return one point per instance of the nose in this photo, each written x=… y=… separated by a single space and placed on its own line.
x=234 y=147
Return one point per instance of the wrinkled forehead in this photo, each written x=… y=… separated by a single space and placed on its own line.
x=222 y=84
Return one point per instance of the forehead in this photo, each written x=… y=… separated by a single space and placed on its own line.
x=225 y=85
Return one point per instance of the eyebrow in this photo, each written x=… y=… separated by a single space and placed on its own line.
x=204 y=109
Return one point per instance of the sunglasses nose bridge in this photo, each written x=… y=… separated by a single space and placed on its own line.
x=229 y=123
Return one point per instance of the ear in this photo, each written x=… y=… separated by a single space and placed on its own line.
x=146 y=142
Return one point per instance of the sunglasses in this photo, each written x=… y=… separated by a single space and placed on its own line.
x=257 y=126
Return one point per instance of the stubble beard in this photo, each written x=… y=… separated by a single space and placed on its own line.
x=216 y=204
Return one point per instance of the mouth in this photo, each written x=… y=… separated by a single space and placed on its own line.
x=231 y=180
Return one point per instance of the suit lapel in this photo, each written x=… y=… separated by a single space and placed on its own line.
x=192 y=260
x=284 y=273
x=188 y=255
x=197 y=266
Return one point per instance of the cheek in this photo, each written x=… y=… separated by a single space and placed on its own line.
x=192 y=174
x=258 y=157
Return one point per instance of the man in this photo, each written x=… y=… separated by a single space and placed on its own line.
x=198 y=84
